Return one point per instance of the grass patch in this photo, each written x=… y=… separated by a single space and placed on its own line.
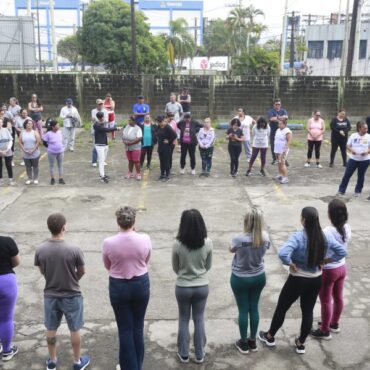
x=297 y=143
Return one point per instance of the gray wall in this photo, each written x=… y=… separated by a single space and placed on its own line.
x=217 y=96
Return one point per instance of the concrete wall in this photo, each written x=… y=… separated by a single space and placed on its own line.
x=217 y=96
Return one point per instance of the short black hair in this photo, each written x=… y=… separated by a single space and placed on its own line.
x=159 y=119
x=235 y=121
x=99 y=115
x=55 y=223
x=192 y=229
x=26 y=121
x=261 y=123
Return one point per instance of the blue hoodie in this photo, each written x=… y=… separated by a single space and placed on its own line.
x=294 y=251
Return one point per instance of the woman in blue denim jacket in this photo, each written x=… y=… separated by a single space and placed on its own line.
x=304 y=252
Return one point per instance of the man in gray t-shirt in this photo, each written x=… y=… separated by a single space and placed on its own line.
x=174 y=107
x=62 y=266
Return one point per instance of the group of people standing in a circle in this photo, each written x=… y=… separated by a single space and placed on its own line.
x=315 y=258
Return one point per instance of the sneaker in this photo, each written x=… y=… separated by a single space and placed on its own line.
x=278 y=178
x=273 y=162
x=345 y=164
x=104 y=179
x=7 y=356
x=52 y=181
x=182 y=359
x=331 y=165
x=105 y=164
x=71 y=150
x=11 y=182
x=368 y=198
x=284 y=180
x=199 y=360
x=85 y=362
x=148 y=167
x=192 y=172
x=252 y=345
x=262 y=336
x=242 y=346
x=28 y=182
x=202 y=174
x=35 y=182
x=61 y=182
x=287 y=163
x=248 y=173
x=94 y=164
x=299 y=348
x=340 y=194
x=129 y=175
x=138 y=177
x=334 y=328
x=307 y=165
x=182 y=171
x=1 y=349
x=318 y=165
x=262 y=173
x=357 y=195
x=51 y=365
x=13 y=164
x=160 y=178
x=118 y=367
x=22 y=163
x=319 y=334
x=166 y=178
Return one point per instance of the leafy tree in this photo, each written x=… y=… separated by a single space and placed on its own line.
x=217 y=40
x=68 y=48
x=106 y=39
x=180 y=42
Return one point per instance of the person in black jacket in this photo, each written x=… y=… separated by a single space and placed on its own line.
x=165 y=137
x=101 y=143
x=340 y=126
x=188 y=141
x=148 y=141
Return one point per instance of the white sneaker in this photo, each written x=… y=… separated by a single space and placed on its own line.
x=318 y=166
x=278 y=178
x=22 y=163
x=307 y=164
x=28 y=182
x=11 y=182
x=182 y=171
x=192 y=172
x=284 y=180
x=105 y=164
x=36 y=182
x=94 y=164
x=118 y=367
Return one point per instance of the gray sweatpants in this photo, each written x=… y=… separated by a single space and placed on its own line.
x=191 y=300
x=69 y=134
x=56 y=157
x=32 y=168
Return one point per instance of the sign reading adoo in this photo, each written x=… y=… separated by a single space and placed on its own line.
x=207 y=64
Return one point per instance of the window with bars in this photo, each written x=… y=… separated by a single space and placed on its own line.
x=334 y=49
x=362 y=50
x=315 y=49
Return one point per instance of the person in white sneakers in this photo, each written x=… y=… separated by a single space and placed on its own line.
x=6 y=142
x=246 y=123
x=71 y=120
x=283 y=138
x=315 y=132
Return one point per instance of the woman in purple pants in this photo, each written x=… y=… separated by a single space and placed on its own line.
x=9 y=258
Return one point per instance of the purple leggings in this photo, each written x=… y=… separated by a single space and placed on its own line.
x=331 y=296
x=254 y=156
x=8 y=297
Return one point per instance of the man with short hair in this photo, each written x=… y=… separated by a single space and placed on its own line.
x=71 y=120
x=62 y=266
x=174 y=107
x=275 y=115
x=140 y=110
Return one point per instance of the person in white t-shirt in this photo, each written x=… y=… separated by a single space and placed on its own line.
x=71 y=120
x=359 y=146
x=246 y=124
x=283 y=138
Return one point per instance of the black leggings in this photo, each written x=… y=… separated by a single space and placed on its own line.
x=185 y=148
x=272 y=142
x=148 y=151
x=234 y=151
x=8 y=165
x=342 y=143
x=311 y=145
x=164 y=153
x=307 y=289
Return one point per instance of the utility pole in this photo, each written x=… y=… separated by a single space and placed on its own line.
x=38 y=33
x=345 y=43
x=339 y=12
x=196 y=31
x=352 y=38
x=53 y=38
x=292 y=43
x=283 y=39
x=133 y=38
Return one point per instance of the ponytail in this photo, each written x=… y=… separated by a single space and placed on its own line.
x=338 y=215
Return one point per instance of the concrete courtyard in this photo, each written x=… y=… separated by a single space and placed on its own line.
x=89 y=207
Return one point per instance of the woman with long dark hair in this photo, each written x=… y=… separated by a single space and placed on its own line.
x=191 y=260
x=304 y=252
x=126 y=256
x=248 y=276
x=333 y=274
x=35 y=108
x=340 y=126
x=235 y=137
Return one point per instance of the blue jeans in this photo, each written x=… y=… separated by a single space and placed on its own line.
x=129 y=299
x=206 y=155
x=352 y=165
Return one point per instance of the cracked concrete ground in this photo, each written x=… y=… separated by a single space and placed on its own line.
x=89 y=207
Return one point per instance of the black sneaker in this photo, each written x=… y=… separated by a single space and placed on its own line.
x=262 y=173
x=242 y=346
x=166 y=178
x=262 y=336
x=344 y=164
x=273 y=162
x=287 y=163
x=252 y=345
x=52 y=181
x=7 y=356
x=299 y=348
x=319 y=334
x=368 y=198
x=331 y=165
x=334 y=328
x=104 y=180
x=248 y=173
x=61 y=182
x=183 y=359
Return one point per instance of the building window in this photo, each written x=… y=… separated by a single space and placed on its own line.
x=334 y=49
x=315 y=49
x=363 y=49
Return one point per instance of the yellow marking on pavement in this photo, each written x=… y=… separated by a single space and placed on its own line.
x=142 y=195
x=23 y=174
